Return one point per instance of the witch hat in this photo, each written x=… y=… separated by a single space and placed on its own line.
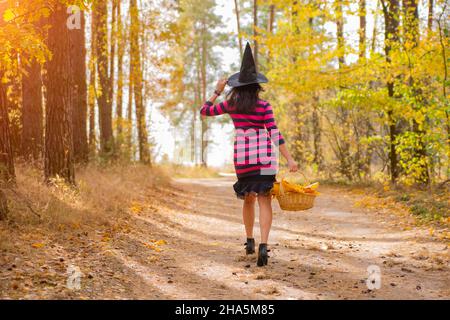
x=248 y=74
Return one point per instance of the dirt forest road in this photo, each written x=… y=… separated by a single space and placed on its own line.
x=320 y=254
x=185 y=241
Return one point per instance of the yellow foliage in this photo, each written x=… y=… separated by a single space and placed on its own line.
x=8 y=15
x=136 y=208
x=160 y=242
x=106 y=237
x=153 y=259
x=155 y=245
x=289 y=186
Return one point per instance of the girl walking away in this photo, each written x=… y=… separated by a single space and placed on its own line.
x=256 y=146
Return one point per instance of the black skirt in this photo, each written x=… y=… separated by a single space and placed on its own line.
x=254 y=185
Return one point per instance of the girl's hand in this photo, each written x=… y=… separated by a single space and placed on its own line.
x=293 y=166
x=221 y=85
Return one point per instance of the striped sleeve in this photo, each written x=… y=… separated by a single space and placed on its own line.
x=271 y=126
x=211 y=110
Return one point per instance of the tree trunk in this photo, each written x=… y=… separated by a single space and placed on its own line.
x=238 y=21
x=442 y=41
x=362 y=28
x=340 y=32
x=32 y=112
x=412 y=31
x=197 y=101
x=271 y=19
x=255 y=31
x=7 y=172
x=430 y=15
x=92 y=90
x=194 y=120
x=344 y=156
x=58 y=154
x=137 y=77
x=3 y=206
x=317 y=136
x=120 y=81
x=129 y=136
x=112 y=51
x=14 y=99
x=100 y=12
x=270 y=24
x=299 y=136
x=79 y=92
x=391 y=21
x=364 y=160
x=204 y=81
x=411 y=20
x=375 y=29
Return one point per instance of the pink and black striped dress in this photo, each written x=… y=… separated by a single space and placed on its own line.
x=256 y=136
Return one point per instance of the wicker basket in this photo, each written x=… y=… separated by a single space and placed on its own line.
x=294 y=201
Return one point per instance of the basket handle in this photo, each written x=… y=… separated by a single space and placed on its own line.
x=284 y=176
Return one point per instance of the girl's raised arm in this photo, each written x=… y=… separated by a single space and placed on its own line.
x=209 y=109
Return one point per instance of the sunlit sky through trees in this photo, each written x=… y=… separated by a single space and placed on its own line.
x=221 y=154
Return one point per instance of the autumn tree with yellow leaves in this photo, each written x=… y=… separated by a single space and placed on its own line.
x=362 y=103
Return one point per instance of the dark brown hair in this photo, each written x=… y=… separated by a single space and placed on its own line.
x=245 y=98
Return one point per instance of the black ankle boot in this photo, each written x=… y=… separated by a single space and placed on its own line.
x=250 y=246
x=262 y=255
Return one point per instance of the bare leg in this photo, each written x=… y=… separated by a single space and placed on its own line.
x=265 y=216
x=248 y=214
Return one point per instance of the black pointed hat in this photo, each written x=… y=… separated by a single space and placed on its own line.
x=248 y=74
